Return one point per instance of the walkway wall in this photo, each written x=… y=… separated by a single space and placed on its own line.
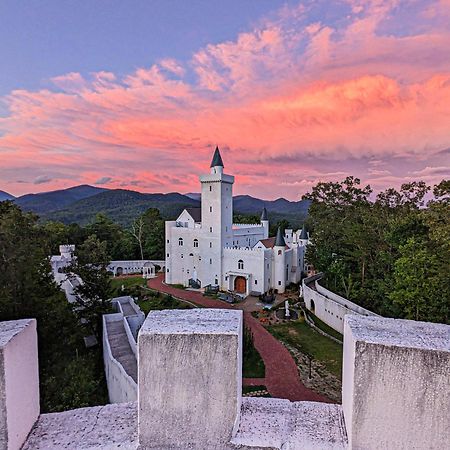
x=121 y=387
x=329 y=307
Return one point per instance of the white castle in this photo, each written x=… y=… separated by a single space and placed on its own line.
x=204 y=246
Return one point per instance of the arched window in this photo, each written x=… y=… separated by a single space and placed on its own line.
x=195 y=242
x=240 y=264
x=180 y=241
x=279 y=251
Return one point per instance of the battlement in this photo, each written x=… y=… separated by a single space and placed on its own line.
x=246 y=225
x=395 y=392
x=243 y=249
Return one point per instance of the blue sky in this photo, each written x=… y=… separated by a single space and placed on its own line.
x=42 y=39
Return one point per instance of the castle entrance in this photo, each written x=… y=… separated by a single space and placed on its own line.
x=240 y=285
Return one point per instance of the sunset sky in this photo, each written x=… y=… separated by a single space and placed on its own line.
x=136 y=94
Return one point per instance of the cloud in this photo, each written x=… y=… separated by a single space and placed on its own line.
x=287 y=100
x=42 y=179
x=103 y=180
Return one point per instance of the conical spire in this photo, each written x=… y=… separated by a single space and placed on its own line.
x=304 y=234
x=279 y=240
x=217 y=159
x=264 y=214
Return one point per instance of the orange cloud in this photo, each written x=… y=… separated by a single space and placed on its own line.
x=292 y=101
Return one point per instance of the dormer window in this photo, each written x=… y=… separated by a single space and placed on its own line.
x=240 y=264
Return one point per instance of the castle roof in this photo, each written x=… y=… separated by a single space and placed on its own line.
x=270 y=242
x=195 y=213
x=279 y=240
x=264 y=214
x=217 y=159
x=304 y=234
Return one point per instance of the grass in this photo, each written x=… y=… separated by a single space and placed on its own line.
x=324 y=327
x=127 y=282
x=300 y=335
x=159 y=302
x=253 y=366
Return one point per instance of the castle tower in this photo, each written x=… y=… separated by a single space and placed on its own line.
x=279 y=251
x=217 y=219
x=265 y=222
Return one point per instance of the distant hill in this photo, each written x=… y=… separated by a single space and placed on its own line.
x=121 y=205
x=80 y=204
x=45 y=202
x=194 y=195
x=5 y=196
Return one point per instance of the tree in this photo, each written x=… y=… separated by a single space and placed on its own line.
x=93 y=293
x=137 y=229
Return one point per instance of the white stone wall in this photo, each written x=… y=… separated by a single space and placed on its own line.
x=396 y=383
x=121 y=387
x=329 y=307
x=19 y=382
x=190 y=363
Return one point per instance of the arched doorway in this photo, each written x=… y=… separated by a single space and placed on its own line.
x=313 y=307
x=240 y=285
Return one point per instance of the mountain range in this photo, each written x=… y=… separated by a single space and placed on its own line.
x=80 y=204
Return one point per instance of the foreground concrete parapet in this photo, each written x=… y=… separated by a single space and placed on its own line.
x=19 y=381
x=280 y=424
x=396 y=383
x=190 y=378
x=109 y=427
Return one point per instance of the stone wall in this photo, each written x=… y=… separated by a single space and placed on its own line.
x=329 y=307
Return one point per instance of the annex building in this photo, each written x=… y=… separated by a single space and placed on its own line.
x=204 y=246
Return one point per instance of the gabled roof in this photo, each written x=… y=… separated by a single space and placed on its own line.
x=217 y=159
x=270 y=242
x=264 y=214
x=195 y=213
x=279 y=240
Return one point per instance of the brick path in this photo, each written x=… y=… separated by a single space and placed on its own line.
x=282 y=379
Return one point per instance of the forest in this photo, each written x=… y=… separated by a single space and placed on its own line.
x=389 y=253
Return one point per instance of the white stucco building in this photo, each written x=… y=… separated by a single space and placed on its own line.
x=204 y=245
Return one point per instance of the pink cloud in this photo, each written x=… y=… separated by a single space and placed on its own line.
x=292 y=94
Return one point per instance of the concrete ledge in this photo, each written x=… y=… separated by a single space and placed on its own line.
x=109 y=427
x=396 y=383
x=280 y=424
x=190 y=378
x=19 y=381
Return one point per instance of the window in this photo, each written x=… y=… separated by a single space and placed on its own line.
x=256 y=281
x=279 y=283
x=279 y=251
x=210 y=260
x=191 y=254
x=168 y=241
x=167 y=255
x=240 y=264
x=180 y=241
x=210 y=229
x=182 y=256
x=195 y=243
x=167 y=270
x=210 y=245
x=210 y=188
x=216 y=281
x=210 y=209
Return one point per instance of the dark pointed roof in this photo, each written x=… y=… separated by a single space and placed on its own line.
x=303 y=234
x=279 y=240
x=264 y=214
x=217 y=159
x=195 y=213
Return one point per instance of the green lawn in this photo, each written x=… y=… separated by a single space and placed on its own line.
x=159 y=302
x=308 y=341
x=128 y=282
x=324 y=327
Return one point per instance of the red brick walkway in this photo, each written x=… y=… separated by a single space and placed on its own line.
x=282 y=379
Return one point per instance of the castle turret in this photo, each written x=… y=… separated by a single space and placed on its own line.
x=280 y=275
x=265 y=222
x=217 y=219
x=303 y=237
